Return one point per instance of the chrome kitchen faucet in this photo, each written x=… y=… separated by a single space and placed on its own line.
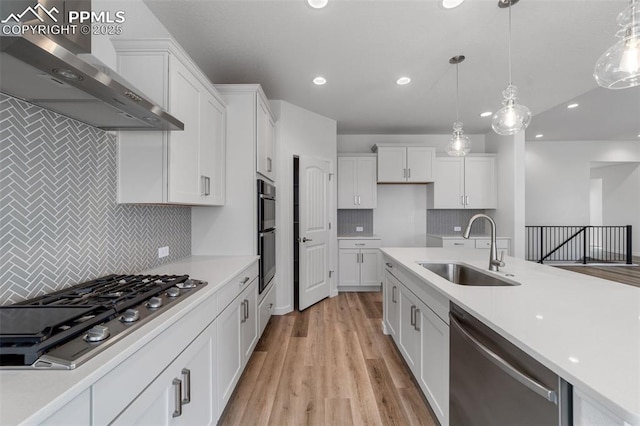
x=494 y=263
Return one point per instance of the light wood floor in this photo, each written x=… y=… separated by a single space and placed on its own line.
x=622 y=274
x=329 y=365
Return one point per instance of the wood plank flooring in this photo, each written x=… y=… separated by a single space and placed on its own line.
x=328 y=365
x=622 y=274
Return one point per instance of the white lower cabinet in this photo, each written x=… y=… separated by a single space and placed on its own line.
x=75 y=412
x=391 y=304
x=359 y=264
x=265 y=309
x=414 y=317
x=588 y=412
x=237 y=336
x=181 y=394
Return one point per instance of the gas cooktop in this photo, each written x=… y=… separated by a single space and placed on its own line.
x=64 y=329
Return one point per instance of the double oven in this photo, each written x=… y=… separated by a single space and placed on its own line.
x=266 y=232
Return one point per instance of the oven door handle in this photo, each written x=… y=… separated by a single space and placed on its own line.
x=262 y=234
x=499 y=362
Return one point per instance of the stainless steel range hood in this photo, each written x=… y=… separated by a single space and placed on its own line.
x=47 y=71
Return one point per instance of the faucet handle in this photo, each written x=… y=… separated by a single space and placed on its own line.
x=501 y=262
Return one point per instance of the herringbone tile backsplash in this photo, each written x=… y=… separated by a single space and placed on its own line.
x=59 y=221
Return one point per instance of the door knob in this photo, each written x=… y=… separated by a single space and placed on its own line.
x=305 y=239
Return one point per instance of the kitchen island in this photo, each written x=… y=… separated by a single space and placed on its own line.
x=585 y=329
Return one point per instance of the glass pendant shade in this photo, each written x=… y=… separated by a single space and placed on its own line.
x=619 y=66
x=459 y=145
x=512 y=117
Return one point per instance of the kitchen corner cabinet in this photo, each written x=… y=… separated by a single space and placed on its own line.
x=465 y=183
x=405 y=164
x=357 y=182
x=358 y=264
x=265 y=139
x=416 y=317
x=172 y=167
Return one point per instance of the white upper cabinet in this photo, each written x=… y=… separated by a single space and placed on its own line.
x=265 y=146
x=357 y=183
x=405 y=164
x=172 y=167
x=465 y=183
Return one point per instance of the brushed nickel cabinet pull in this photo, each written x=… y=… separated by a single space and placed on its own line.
x=177 y=388
x=186 y=374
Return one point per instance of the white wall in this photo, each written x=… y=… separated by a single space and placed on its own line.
x=510 y=214
x=401 y=216
x=621 y=197
x=299 y=133
x=558 y=179
x=363 y=143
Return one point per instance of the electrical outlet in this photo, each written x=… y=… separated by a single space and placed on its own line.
x=359 y=228
x=457 y=228
x=163 y=252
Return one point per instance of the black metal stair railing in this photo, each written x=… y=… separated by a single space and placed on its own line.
x=579 y=244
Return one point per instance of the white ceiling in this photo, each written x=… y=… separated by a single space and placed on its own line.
x=362 y=46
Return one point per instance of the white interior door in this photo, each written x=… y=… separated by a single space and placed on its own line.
x=314 y=231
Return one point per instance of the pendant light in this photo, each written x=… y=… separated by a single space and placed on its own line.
x=512 y=117
x=459 y=145
x=619 y=66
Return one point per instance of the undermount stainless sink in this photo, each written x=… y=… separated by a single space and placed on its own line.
x=464 y=275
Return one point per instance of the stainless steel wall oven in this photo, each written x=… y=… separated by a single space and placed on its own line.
x=266 y=232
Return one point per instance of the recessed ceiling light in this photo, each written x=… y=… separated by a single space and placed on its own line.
x=639 y=136
x=450 y=4
x=319 y=81
x=403 y=81
x=486 y=114
x=574 y=359
x=317 y=4
x=571 y=106
x=539 y=135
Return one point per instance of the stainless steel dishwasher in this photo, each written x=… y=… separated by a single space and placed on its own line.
x=492 y=382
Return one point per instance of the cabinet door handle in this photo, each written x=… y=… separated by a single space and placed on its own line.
x=359 y=200
x=244 y=281
x=177 y=389
x=246 y=309
x=269 y=164
x=415 y=320
x=413 y=315
x=186 y=374
x=389 y=265
x=393 y=294
x=208 y=187
x=462 y=200
x=458 y=244
x=361 y=257
x=404 y=173
x=355 y=200
x=203 y=185
x=360 y=244
x=466 y=200
x=409 y=173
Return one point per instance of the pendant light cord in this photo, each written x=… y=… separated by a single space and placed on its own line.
x=457 y=94
x=510 y=79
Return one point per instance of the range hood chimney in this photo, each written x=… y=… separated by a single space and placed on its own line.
x=46 y=70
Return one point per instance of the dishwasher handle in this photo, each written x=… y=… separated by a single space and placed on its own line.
x=538 y=388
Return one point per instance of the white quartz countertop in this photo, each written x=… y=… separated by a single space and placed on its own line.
x=30 y=396
x=585 y=329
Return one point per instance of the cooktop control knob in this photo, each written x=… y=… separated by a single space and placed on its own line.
x=154 y=302
x=173 y=292
x=130 y=315
x=97 y=334
x=188 y=284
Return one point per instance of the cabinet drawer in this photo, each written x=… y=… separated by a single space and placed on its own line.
x=485 y=243
x=461 y=243
x=359 y=244
x=265 y=309
x=237 y=284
